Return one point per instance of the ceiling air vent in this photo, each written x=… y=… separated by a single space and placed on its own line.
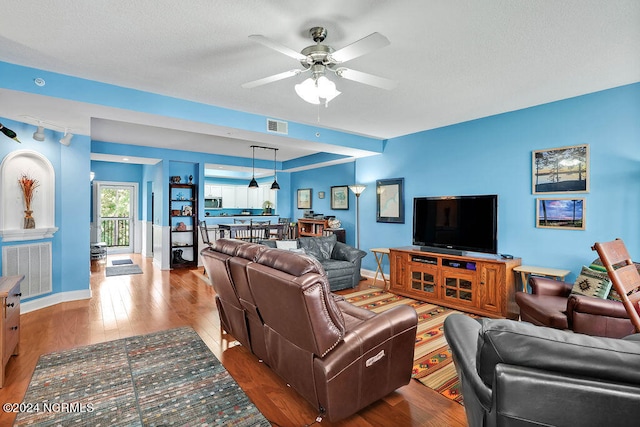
x=277 y=126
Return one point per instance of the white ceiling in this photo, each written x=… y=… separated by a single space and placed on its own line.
x=454 y=61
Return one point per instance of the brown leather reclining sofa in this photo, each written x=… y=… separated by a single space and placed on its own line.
x=277 y=304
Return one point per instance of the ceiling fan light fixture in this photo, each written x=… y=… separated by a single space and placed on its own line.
x=307 y=91
x=314 y=90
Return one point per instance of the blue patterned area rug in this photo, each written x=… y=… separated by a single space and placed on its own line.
x=165 y=378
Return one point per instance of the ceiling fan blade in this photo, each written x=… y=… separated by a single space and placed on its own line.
x=365 y=45
x=366 y=78
x=278 y=47
x=271 y=79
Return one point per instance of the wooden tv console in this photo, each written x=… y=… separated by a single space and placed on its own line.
x=478 y=283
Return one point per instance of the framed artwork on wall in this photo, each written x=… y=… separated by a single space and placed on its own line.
x=390 y=200
x=340 y=197
x=304 y=198
x=562 y=213
x=561 y=170
x=320 y=194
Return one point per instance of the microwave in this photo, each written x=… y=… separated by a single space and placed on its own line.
x=213 y=203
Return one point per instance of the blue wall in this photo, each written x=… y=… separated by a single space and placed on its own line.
x=70 y=244
x=493 y=156
x=322 y=179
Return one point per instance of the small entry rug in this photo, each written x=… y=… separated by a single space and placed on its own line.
x=121 y=270
x=121 y=261
x=165 y=378
x=433 y=362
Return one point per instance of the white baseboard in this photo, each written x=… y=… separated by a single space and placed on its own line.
x=37 y=304
x=370 y=274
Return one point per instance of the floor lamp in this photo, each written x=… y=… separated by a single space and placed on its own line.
x=357 y=190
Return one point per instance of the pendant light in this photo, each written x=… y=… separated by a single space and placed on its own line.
x=275 y=185
x=253 y=183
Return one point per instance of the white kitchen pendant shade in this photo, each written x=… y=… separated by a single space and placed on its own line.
x=275 y=185
x=253 y=183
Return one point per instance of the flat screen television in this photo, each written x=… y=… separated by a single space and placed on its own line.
x=456 y=224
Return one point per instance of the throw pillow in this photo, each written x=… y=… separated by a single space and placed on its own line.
x=592 y=283
x=614 y=295
x=287 y=244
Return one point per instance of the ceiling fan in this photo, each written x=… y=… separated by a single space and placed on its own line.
x=319 y=59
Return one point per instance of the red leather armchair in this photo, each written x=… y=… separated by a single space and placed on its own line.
x=552 y=304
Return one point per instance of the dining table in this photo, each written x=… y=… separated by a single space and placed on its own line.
x=252 y=232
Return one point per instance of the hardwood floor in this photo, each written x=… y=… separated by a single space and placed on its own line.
x=124 y=306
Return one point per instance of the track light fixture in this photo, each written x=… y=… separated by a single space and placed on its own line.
x=66 y=139
x=38 y=135
x=41 y=125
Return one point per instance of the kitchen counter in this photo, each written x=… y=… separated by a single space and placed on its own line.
x=228 y=219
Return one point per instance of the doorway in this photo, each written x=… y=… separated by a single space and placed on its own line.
x=116 y=209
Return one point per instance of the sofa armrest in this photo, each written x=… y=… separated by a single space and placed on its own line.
x=344 y=252
x=374 y=359
x=461 y=332
x=370 y=334
x=548 y=286
x=529 y=396
x=595 y=306
x=580 y=355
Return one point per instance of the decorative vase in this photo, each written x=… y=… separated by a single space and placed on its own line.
x=29 y=222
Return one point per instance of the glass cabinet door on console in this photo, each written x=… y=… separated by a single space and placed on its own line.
x=423 y=275
x=459 y=286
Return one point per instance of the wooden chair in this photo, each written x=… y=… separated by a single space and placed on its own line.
x=242 y=233
x=259 y=230
x=204 y=233
x=623 y=274
x=282 y=232
x=202 y=225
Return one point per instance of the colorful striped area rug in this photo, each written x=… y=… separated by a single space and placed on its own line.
x=433 y=363
x=164 y=378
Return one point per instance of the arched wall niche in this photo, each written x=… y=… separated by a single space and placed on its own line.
x=37 y=166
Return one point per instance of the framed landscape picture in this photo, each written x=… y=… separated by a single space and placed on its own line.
x=561 y=170
x=340 y=197
x=566 y=214
x=390 y=200
x=304 y=198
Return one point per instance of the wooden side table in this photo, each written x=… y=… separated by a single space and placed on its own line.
x=528 y=270
x=379 y=254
